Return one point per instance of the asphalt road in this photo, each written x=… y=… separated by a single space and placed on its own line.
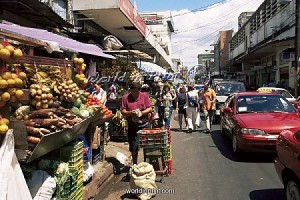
x=205 y=168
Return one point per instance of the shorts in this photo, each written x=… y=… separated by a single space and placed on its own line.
x=133 y=138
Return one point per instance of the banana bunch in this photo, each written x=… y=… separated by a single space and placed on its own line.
x=43 y=75
x=119 y=120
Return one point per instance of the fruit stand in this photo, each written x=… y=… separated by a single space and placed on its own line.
x=43 y=100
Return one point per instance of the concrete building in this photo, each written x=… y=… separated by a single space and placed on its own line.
x=264 y=46
x=243 y=18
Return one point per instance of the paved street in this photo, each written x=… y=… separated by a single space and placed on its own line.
x=205 y=168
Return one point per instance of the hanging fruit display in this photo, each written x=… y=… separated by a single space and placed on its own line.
x=3 y=125
x=9 y=53
x=80 y=67
x=68 y=91
x=11 y=86
x=42 y=97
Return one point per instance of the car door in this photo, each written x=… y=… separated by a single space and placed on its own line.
x=226 y=115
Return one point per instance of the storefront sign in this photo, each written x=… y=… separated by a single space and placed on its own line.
x=128 y=9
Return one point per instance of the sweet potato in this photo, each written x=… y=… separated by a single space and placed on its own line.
x=41 y=114
x=33 y=140
x=41 y=122
x=34 y=131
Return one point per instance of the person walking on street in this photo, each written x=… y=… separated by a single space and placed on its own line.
x=192 y=108
x=160 y=105
x=135 y=106
x=167 y=103
x=209 y=106
x=181 y=105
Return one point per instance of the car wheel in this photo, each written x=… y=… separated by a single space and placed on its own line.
x=221 y=127
x=234 y=144
x=292 y=191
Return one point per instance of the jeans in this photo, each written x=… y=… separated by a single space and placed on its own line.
x=168 y=120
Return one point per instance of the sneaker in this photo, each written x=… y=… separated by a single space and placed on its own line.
x=190 y=130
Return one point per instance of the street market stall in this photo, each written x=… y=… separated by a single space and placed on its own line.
x=43 y=103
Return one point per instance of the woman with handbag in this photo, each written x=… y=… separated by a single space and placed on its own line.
x=192 y=108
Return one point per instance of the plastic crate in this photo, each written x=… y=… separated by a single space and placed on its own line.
x=167 y=154
x=153 y=140
x=169 y=164
x=68 y=189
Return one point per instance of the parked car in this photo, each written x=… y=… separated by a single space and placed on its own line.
x=223 y=89
x=253 y=120
x=281 y=91
x=287 y=163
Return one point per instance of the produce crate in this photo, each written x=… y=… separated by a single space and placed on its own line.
x=167 y=154
x=153 y=139
x=169 y=164
x=68 y=189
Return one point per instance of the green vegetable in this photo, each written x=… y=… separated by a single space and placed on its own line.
x=91 y=111
x=78 y=103
x=82 y=107
x=75 y=110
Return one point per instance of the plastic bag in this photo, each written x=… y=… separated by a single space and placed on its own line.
x=88 y=171
x=198 y=119
x=12 y=182
x=143 y=176
x=123 y=159
x=176 y=117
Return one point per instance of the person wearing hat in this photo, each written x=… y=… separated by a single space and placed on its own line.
x=135 y=106
x=209 y=106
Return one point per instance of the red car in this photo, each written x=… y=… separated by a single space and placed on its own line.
x=287 y=162
x=253 y=120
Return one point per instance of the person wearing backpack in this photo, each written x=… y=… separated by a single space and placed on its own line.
x=192 y=108
x=209 y=105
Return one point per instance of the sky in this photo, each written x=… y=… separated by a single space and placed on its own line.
x=197 y=22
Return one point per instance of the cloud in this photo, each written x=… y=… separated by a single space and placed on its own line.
x=196 y=31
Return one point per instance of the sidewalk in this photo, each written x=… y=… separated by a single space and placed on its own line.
x=105 y=170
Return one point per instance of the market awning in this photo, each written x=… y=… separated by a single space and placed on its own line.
x=136 y=53
x=63 y=42
x=150 y=67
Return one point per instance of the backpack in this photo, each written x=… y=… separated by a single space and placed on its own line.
x=192 y=102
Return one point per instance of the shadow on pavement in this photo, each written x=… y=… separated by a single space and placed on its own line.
x=274 y=194
x=129 y=196
x=223 y=143
x=118 y=167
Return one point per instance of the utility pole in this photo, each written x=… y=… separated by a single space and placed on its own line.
x=297 y=50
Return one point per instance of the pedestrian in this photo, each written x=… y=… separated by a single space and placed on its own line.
x=159 y=104
x=209 y=106
x=100 y=93
x=192 y=108
x=135 y=106
x=181 y=105
x=167 y=104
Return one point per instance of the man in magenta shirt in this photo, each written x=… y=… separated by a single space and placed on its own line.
x=135 y=107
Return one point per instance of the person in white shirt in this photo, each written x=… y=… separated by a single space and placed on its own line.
x=192 y=108
x=100 y=93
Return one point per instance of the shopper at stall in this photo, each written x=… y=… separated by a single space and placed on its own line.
x=209 y=106
x=100 y=93
x=181 y=105
x=135 y=106
x=168 y=106
x=159 y=104
x=192 y=108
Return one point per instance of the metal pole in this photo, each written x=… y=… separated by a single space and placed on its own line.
x=297 y=39
x=219 y=49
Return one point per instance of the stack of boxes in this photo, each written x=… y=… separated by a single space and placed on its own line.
x=168 y=154
x=73 y=154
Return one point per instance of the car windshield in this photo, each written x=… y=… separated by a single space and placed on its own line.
x=263 y=103
x=229 y=88
x=284 y=93
x=198 y=87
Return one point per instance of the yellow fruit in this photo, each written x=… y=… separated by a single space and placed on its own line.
x=83 y=66
x=80 y=61
x=6 y=75
x=17 y=54
x=4 y=121
x=82 y=75
x=3 y=84
x=1 y=46
x=5 y=96
x=11 y=82
x=22 y=75
x=19 y=94
x=75 y=60
x=11 y=91
x=77 y=76
x=4 y=54
x=3 y=129
x=19 y=82
x=14 y=75
x=2 y=103
x=10 y=49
